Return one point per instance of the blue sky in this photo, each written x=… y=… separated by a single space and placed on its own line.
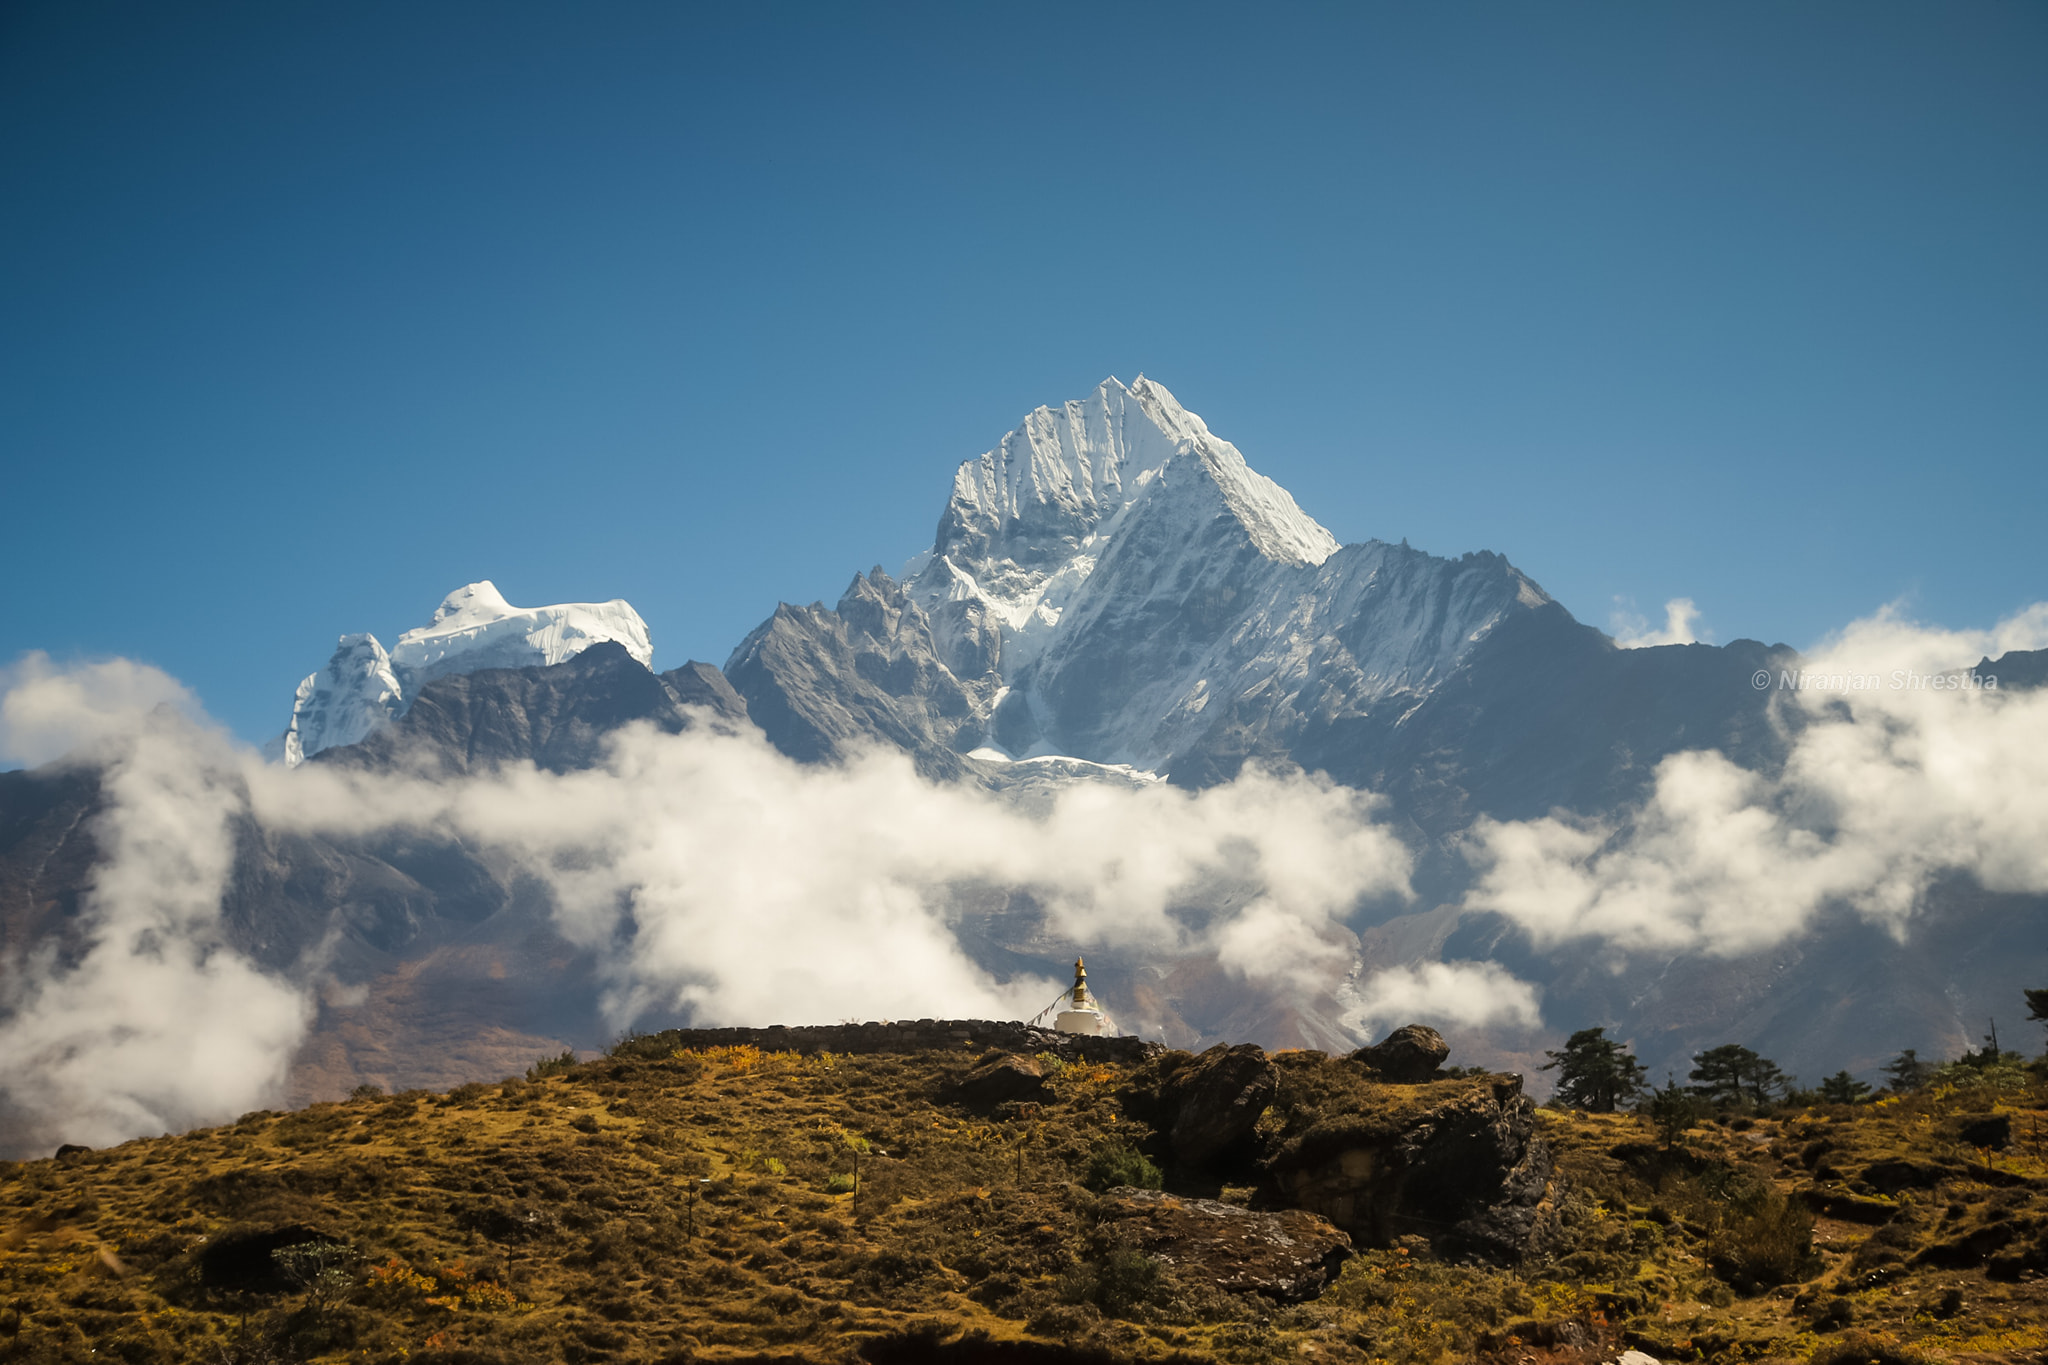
x=309 y=314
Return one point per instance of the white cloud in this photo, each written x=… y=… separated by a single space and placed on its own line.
x=1458 y=994
x=713 y=874
x=1895 y=776
x=89 y=711
x=156 y=1024
x=1631 y=631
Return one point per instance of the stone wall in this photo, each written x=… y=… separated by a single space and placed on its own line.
x=914 y=1035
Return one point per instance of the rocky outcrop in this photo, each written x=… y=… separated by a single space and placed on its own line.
x=1001 y=1078
x=1456 y=1161
x=1216 y=1100
x=1288 y=1256
x=1409 y=1054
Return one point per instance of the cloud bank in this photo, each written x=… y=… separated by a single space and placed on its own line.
x=157 y=1024
x=713 y=875
x=1900 y=770
x=706 y=873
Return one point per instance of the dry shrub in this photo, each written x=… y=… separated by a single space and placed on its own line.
x=1766 y=1239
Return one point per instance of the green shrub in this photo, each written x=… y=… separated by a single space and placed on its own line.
x=552 y=1066
x=839 y=1183
x=1123 y=1281
x=1115 y=1164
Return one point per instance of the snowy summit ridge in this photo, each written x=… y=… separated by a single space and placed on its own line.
x=474 y=628
x=1028 y=520
x=1113 y=583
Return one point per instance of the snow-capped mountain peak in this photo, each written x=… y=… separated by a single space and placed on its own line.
x=1112 y=582
x=1029 y=520
x=474 y=628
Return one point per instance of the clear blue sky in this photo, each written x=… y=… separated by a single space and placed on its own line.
x=309 y=313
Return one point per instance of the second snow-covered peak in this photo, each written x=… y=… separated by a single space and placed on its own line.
x=475 y=628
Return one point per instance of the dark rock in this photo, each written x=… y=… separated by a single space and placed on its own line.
x=1989 y=1130
x=1970 y=1250
x=1462 y=1167
x=1002 y=1078
x=70 y=1149
x=1899 y=1174
x=501 y=1221
x=1216 y=1101
x=1850 y=1208
x=1409 y=1054
x=1288 y=1256
x=243 y=1259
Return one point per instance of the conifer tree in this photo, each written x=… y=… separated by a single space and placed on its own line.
x=1906 y=1072
x=1731 y=1073
x=1594 y=1072
x=1673 y=1109
x=1842 y=1088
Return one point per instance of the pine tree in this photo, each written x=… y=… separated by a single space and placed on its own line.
x=1594 y=1072
x=1766 y=1081
x=1906 y=1072
x=1718 y=1073
x=1732 y=1074
x=1673 y=1109
x=1842 y=1088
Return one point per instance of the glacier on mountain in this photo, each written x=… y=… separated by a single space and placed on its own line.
x=363 y=686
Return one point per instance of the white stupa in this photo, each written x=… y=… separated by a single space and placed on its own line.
x=1082 y=1015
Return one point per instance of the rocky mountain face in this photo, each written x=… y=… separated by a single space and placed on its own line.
x=555 y=717
x=1113 y=584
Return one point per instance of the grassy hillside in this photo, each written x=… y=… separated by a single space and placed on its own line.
x=660 y=1205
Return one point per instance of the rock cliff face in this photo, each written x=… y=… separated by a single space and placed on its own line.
x=867 y=671
x=557 y=718
x=1455 y=1160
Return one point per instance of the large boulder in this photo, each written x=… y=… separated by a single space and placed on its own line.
x=1288 y=1256
x=1001 y=1078
x=1409 y=1054
x=1456 y=1161
x=1215 y=1101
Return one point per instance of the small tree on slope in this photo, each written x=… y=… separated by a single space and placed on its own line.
x=1594 y=1072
